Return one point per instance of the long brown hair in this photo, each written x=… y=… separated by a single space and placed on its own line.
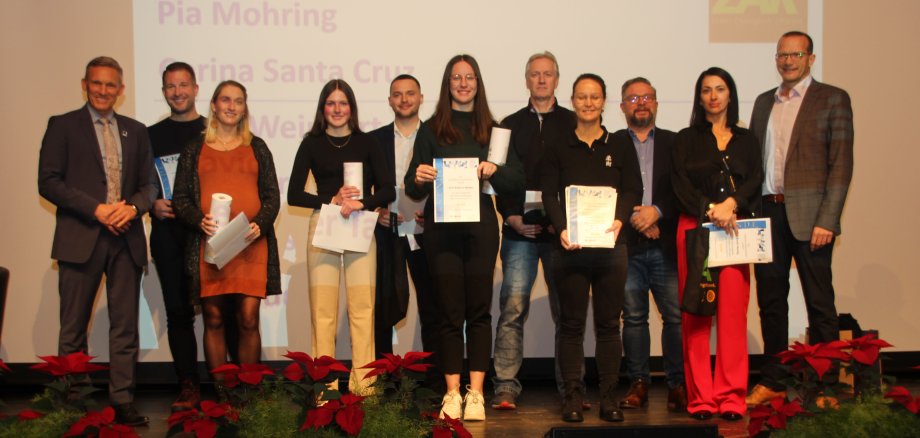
x=444 y=130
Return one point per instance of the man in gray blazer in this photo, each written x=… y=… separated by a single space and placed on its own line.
x=806 y=131
x=95 y=166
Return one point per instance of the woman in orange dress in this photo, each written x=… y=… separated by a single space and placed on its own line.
x=230 y=160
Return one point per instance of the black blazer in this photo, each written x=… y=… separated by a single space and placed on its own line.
x=71 y=175
x=662 y=193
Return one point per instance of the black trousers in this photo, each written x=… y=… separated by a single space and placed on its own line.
x=462 y=261
x=602 y=273
x=166 y=247
x=814 y=268
x=393 y=257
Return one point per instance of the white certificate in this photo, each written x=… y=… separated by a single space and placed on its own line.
x=339 y=234
x=406 y=206
x=229 y=241
x=166 y=170
x=499 y=142
x=353 y=175
x=589 y=213
x=456 y=190
x=754 y=243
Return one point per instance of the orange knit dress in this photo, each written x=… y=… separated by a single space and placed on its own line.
x=235 y=173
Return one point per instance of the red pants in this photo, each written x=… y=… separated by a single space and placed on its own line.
x=725 y=391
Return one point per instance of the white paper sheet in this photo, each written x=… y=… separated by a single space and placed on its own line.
x=456 y=190
x=754 y=243
x=590 y=212
x=406 y=206
x=336 y=233
x=229 y=241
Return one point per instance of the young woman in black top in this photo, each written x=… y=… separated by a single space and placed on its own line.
x=462 y=255
x=717 y=172
x=588 y=158
x=335 y=139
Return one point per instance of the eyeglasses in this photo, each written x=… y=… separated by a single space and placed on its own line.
x=793 y=55
x=469 y=77
x=645 y=98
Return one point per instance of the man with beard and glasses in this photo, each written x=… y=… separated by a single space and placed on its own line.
x=652 y=251
x=168 y=237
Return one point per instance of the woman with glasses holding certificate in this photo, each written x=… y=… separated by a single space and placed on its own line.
x=575 y=174
x=461 y=255
x=230 y=160
x=334 y=142
x=717 y=175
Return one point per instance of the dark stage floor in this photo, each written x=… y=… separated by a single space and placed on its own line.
x=537 y=413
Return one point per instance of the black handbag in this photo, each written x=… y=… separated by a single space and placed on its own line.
x=701 y=287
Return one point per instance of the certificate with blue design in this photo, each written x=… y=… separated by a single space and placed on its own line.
x=753 y=244
x=589 y=213
x=166 y=170
x=456 y=190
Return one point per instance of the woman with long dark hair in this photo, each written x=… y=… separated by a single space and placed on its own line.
x=336 y=139
x=717 y=174
x=229 y=159
x=462 y=255
x=590 y=158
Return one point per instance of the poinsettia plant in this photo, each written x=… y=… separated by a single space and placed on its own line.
x=240 y=383
x=212 y=420
x=447 y=427
x=312 y=379
x=100 y=424
x=864 y=352
x=346 y=411
x=773 y=414
x=70 y=389
x=808 y=366
x=398 y=380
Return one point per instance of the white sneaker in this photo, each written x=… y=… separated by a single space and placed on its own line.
x=451 y=405
x=475 y=409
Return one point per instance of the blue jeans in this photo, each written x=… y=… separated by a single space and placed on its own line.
x=519 y=266
x=650 y=269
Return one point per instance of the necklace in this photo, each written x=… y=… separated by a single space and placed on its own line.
x=227 y=142
x=339 y=146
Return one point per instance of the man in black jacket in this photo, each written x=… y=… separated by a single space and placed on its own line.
x=651 y=245
x=527 y=237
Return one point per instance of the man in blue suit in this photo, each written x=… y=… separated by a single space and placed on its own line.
x=95 y=167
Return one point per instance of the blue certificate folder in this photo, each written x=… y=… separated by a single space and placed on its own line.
x=166 y=170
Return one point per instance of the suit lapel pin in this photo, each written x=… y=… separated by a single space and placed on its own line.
x=124 y=134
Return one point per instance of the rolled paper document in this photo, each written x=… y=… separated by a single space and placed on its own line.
x=220 y=208
x=498 y=153
x=498 y=145
x=220 y=213
x=354 y=176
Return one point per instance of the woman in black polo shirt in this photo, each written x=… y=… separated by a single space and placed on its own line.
x=588 y=159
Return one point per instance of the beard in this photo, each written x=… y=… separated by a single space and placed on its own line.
x=642 y=123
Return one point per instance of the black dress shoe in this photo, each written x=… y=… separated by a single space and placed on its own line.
x=613 y=415
x=126 y=414
x=573 y=416
x=572 y=405
x=701 y=415
x=731 y=416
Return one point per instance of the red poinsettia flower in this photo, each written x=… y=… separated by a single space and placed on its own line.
x=866 y=348
x=231 y=374
x=901 y=395
x=219 y=410
x=104 y=422
x=5 y=368
x=252 y=373
x=73 y=363
x=350 y=417
x=202 y=423
x=29 y=414
x=445 y=427
x=819 y=356
x=774 y=414
x=293 y=372
x=317 y=368
x=393 y=364
x=321 y=416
